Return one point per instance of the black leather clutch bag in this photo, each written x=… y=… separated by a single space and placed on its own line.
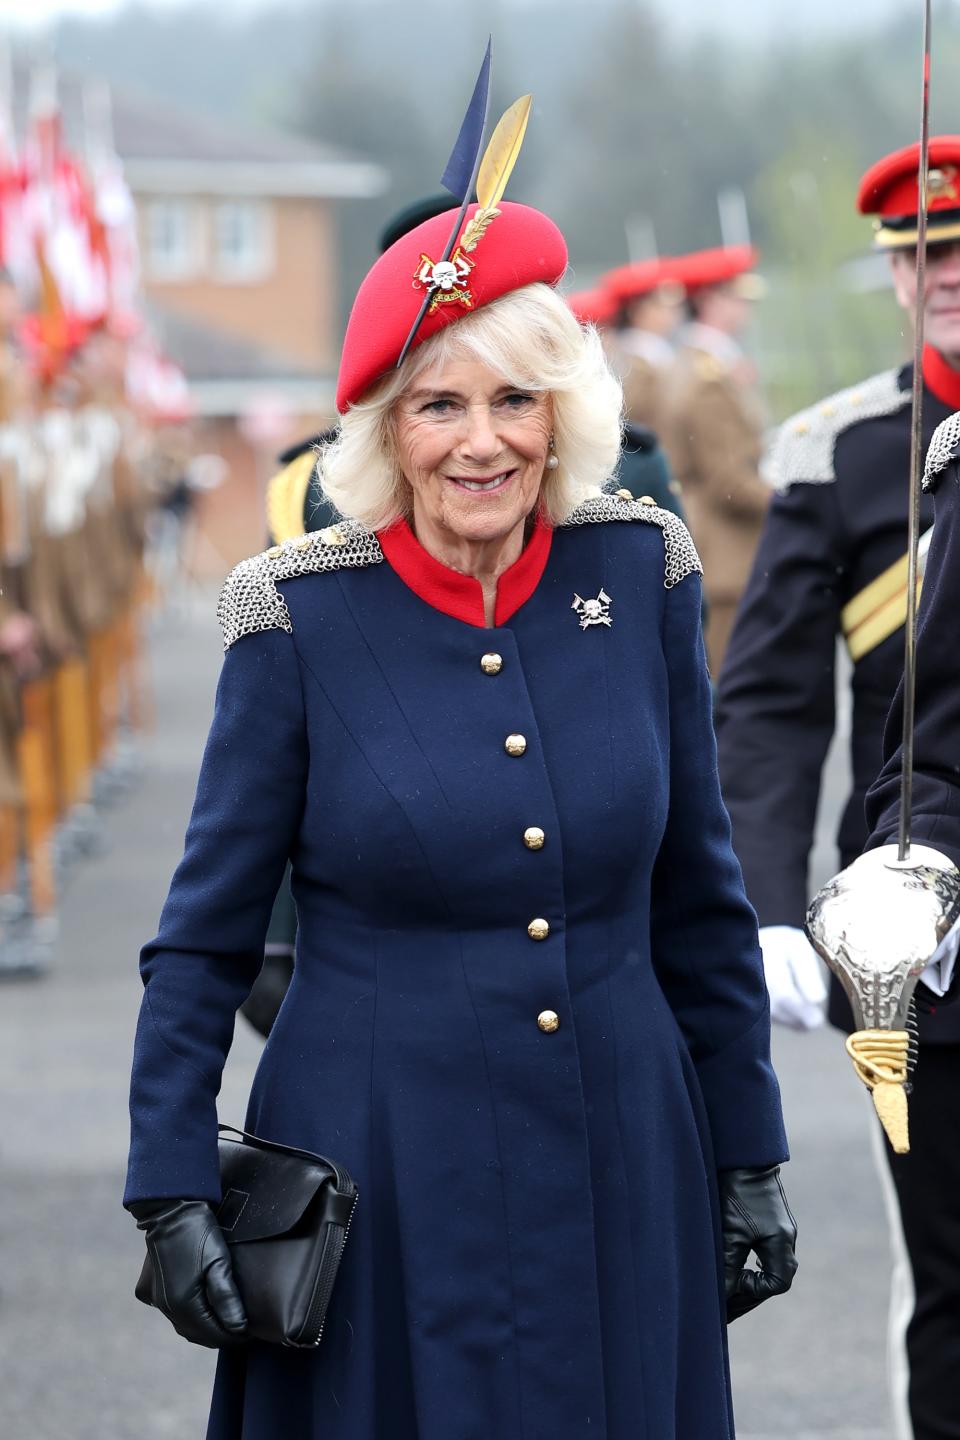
x=285 y=1215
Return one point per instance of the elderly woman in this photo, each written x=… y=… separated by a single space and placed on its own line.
x=528 y=1010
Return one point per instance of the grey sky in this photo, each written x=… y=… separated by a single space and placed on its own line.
x=755 y=17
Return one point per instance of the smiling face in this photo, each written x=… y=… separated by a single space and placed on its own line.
x=942 y=294
x=473 y=451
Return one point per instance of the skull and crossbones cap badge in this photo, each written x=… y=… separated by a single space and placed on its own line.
x=456 y=262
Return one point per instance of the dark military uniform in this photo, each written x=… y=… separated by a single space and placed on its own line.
x=838 y=526
x=928 y=1178
x=838 y=523
x=936 y=782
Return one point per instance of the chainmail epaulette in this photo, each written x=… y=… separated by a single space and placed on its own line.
x=802 y=448
x=250 y=600
x=681 y=555
x=944 y=447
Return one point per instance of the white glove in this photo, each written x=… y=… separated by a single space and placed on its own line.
x=794 y=977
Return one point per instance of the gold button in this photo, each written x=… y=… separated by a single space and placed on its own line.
x=624 y=495
x=274 y=551
x=533 y=837
x=515 y=744
x=304 y=542
x=333 y=535
x=491 y=663
x=548 y=1020
x=647 y=500
x=538 y=929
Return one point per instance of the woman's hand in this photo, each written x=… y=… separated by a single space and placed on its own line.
x=192 y=1277
x=754 y=1215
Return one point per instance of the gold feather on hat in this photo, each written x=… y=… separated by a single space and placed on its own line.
x=496 y=167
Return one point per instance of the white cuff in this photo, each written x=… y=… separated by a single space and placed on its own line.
x=938 y=975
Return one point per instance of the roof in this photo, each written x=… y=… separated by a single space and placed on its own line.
x=166 y=148
x=169 y=148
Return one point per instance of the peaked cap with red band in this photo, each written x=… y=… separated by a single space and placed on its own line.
x=518 y=247
x=712 y=267
x=890 y=191
x=641 y=277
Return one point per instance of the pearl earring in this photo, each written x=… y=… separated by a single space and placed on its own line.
x=552 y=461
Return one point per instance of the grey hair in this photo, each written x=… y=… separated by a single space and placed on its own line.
x=531 y=339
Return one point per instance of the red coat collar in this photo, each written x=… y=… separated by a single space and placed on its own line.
x=460 y=595
x=941 y=378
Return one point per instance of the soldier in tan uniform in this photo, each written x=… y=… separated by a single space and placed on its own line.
x=646 y=303
x=18 y=630
x=713 y=430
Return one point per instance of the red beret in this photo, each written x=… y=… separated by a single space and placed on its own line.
x=641 y=277
x=518 y=247
x=890 y=191
x=712 y=267
x=592 y=307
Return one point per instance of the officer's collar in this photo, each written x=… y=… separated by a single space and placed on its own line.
x=941 y=378
x=461 y=596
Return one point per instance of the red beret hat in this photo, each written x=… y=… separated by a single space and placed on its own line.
x=592 y=307
x=890 y=191
x=641 y=277
x=712 y=267
x=517 y=247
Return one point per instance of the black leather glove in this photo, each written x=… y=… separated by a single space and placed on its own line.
x=754 y=1215
x=190 y=1278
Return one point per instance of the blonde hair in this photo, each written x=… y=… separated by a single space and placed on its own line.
x=531 y=339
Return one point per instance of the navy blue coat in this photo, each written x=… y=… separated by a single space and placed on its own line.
x=535 y=1249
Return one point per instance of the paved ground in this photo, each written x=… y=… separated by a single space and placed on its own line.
x=81 y=1360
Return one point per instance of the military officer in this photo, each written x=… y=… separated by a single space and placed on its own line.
x=832 y=563
x=713 y=429
x=648 y=308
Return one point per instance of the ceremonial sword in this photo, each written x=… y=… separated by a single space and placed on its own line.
x=879 y=922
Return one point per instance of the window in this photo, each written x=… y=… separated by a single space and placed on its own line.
x=173 y=239
x=243 y=240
